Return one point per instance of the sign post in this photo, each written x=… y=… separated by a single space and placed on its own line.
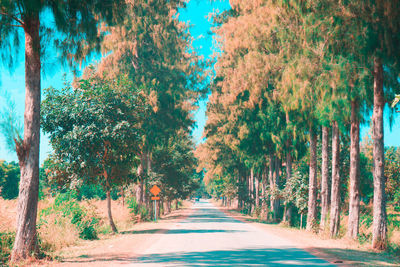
x=155 y=190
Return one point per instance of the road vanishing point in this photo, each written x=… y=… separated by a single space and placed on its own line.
x=209 y=237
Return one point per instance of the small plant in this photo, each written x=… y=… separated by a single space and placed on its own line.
x=144 y=213
x=133 y=206
x=6 y=245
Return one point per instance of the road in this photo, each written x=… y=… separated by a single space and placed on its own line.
x=209 y=237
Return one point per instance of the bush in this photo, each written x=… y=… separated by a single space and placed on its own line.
x=133 y=206
x=6 y=245
x=144 y=214
x=65 y=215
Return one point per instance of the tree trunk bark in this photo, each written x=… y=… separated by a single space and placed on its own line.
x=140 y=189
x=288 y=152
x=354 y=200
x=379 y=232
x=176 y=204
x=110 y=218
x=287 y=215
x=324 y=178
x=257 y=193
x=273 y=181
x=335 y=191
x=123 y=196
x=312 y=186
x=28 y=150
x=301 y=221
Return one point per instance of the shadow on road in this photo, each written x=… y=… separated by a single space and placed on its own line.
x=245 y=257
x=274 y=257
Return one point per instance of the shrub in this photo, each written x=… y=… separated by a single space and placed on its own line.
x=133 y=206
x=66 y=212
x=6 y=245
x=144 y=214
x=57 y=232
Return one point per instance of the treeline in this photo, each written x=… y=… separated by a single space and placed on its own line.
x=127 y=119
x=293 y=81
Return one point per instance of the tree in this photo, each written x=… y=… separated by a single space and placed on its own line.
x=154 y=48
x=382 y=23
x=94 y=130
x=76 y=23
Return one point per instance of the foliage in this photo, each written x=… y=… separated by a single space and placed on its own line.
x=175 y=167
x=6 y=244
x=9 y=180
x=66 y=206
x=93 y=130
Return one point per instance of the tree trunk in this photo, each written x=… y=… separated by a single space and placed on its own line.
x=140 y=189
x=28 y=150
x=123 y=196
x=110 y=218
x=256 y=188
x=324 y=177
x=251 y=190
x=312 y=186
x=379 y=232
x=288 y=154
x=354 y=200
x=335 y=191
x=273 y=182
x=176 y=204
x=287 y=214
x=301 y=221
x=276 y=203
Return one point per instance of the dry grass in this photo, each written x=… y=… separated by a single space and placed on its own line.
x=57 y=232
x=8 y=213
x=120 y=213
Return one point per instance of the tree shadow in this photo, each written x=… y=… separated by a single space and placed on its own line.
x=245 y=257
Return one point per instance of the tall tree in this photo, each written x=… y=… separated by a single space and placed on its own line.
x=154 y=48
x=335 y=190
x=324 y=178
x=76 y=22
x=382 y=25
x=94 y=130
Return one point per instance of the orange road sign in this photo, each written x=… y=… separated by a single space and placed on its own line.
x=155 y=198
x=155 y=190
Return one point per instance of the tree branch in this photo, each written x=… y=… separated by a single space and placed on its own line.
x=13 y=17
x=13 y=25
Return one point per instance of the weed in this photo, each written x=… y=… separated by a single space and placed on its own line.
x=6 y=245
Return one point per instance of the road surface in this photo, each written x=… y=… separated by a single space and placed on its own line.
x=208 y=237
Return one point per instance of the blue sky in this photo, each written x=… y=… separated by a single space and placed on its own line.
x=13 y=84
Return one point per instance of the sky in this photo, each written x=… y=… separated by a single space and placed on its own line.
x=12 y=84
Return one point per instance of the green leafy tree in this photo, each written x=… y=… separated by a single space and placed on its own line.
x=94 y=130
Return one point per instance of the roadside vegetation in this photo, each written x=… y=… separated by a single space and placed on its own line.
x=294 y=80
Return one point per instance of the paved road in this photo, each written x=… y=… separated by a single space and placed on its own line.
x=208 y=237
